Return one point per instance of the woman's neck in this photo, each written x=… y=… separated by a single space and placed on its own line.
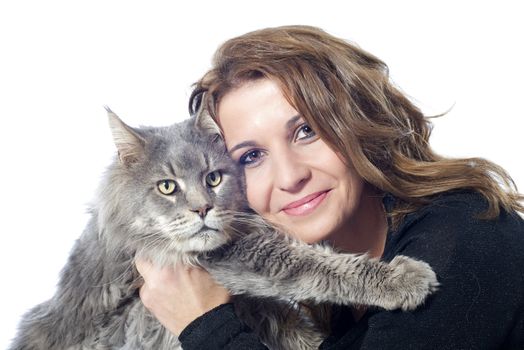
x=366 y=230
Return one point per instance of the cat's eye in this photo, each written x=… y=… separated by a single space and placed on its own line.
x=214 y=178
x=166 y=187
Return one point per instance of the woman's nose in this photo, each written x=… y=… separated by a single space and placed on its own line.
x=290 y=173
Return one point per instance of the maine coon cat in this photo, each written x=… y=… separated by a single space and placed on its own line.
x=173 y=195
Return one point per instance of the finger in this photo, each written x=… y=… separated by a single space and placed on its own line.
x=189 y=273
x=143 y=267
x=138 y=282
x=145 y=297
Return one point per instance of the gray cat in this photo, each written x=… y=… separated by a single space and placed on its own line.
x=173 y=195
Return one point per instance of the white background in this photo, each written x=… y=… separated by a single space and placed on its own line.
x=61 y=61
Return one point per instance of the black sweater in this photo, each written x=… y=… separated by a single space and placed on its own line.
x=480 y=304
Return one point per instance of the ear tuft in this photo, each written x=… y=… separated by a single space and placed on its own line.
x=129 y=143
x=195 y=100
x=206 y=124
x=198 y=110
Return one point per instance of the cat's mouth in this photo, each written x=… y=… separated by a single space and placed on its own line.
x=206 y=230
x=206 y=239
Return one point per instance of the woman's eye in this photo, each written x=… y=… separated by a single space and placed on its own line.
x=304 y=132
x=166 y=187
x=250 y=157
x=213 y=179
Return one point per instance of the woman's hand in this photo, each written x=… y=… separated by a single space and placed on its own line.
x=178 y=295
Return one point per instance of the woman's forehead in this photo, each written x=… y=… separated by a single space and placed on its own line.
x=257 y=107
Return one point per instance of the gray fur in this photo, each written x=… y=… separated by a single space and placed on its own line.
x=97 y=306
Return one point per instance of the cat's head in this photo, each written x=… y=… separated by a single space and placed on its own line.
x=171 y=190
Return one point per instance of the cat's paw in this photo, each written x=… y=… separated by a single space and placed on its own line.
x=410 y=282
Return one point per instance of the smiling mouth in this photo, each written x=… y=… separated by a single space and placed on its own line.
x=305 y=205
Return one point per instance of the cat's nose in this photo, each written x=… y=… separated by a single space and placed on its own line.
x=202 y=211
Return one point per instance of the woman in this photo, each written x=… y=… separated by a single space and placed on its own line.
x=332 y=151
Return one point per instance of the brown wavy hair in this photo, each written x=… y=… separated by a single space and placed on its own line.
x=346 y=96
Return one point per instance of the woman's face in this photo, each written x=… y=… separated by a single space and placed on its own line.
x=293 y=178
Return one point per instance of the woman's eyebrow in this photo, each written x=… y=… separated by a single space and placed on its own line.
x=242 y=145
x=292 y=122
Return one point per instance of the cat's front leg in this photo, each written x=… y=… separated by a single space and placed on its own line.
x=270 y=264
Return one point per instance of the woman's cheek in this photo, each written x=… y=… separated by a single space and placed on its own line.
x=258 y=192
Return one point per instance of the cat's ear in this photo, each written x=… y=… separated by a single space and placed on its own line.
x=129 y=143
x=206 y=124
x=203 y=120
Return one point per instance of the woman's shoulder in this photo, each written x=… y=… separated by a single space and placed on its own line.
x=459 y=212
x=480 y=301
x=451 y=226
x=461 y=205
